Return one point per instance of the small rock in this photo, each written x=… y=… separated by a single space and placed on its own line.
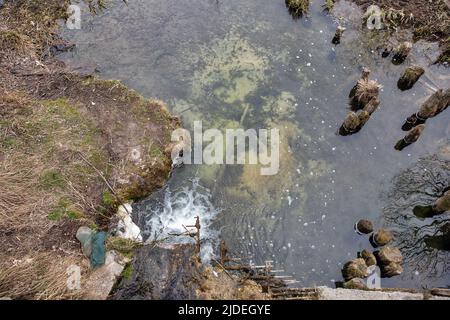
x=368 y=257
x=356 y=268
x=381 y=238
x=102 y=280
x=84 y=235
x=355 y=283
x=364 y=226
x=391 y=270
x=387 y=255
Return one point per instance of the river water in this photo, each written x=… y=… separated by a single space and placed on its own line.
x=248 y=64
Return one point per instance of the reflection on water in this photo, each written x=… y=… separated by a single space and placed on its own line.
x=422 y=237
x=247 y=64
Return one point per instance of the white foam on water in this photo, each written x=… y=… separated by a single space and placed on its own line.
x=180 y=208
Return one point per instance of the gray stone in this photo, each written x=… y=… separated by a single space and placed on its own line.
x=100 y=282
x=85 y=235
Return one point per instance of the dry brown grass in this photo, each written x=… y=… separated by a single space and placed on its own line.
x=42 y=276
x=60 y=153
x=366 y=90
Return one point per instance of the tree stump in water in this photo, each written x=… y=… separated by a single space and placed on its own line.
x=410 y=138
x=354 y=122
x=402 y=53
x=435 y=104
x=364 y=91
x=297 y=8
x=337 y=36
x=410 y=77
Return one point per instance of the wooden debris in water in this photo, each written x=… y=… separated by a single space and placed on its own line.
x=297 y=8
x=410 y=138
x=435 y=104
x=410 y=77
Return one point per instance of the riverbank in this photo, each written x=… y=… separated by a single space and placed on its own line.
x=72 y=148
x=428 y=20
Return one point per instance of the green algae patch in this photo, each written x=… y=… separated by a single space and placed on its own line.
x=233 y=72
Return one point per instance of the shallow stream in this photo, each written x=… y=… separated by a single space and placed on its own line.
x=248 y=64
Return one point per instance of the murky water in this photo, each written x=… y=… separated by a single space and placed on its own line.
x=248 y=64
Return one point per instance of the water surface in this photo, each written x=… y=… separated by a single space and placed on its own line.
x=248 y=64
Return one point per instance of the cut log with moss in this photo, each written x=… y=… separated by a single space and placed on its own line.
x=354 y=122
x=410 y=77
x=328 y=5
x=410 y=138
x=297 y=8
x=435 y=104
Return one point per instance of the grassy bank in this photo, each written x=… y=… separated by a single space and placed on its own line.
x=72 y=148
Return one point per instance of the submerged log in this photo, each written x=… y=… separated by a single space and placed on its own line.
x=297 y=8
x=410 y=77
x=410 y=138
x=402 y=52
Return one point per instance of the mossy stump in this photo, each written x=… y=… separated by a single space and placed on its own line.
x=410 y=77
x=435 y=104
x=297 y=8
x=401 y=53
